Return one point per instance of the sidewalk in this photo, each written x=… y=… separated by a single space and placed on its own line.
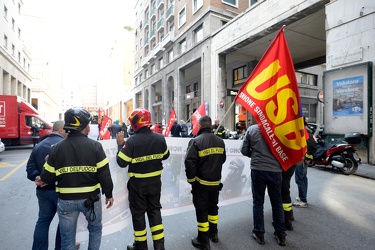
x=366 y=170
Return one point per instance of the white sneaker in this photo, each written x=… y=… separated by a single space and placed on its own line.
x=300 y=204
x=298 y=199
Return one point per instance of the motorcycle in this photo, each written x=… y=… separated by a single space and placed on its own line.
x=341 y=157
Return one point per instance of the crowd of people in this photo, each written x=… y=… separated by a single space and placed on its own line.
x=71 y=173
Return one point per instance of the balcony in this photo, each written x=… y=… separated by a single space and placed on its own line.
x=160 y=25
x=158 y=50
x=147 y=23
x=168 y=39
x=152 y=14
x=160 y=4
x=152 y=35
x=170 y=13
x=146 y=43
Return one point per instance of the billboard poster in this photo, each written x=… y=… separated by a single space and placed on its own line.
x=348 y=96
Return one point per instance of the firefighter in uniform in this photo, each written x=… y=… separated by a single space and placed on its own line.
x=143 y=153
x=81 y=168
x=219 y=130
x=204 y=159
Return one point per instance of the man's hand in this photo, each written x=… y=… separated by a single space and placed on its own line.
x=120 y=139
x=39 y=182
x=109 y=201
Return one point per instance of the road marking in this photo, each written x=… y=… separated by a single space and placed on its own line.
x=13 y=171
x=6 y=165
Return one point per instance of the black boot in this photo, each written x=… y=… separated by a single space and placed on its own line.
x=288 y=215
x=213 y=232
x=159 y=244
x=138 y=246
x=201 y=245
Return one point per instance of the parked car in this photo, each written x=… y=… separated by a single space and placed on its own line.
x=2 y=147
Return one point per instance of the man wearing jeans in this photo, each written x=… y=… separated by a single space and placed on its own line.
x=81 y=169
x=47 y=196
x=266 y=172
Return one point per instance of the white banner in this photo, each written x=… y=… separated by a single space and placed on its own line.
x=176 y=191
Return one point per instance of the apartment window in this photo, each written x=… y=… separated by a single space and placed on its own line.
x=13 y=49
x=161 y=63
x=136 y=64
x=146 y=74
x=19 y=57
x=305 y=78
x=230 y=2
x=5 y=12
x=136 y=48
x=140 y=78
x=197 y=4
x=153 y=69
x=5 y=42
x=170 y=56
x=19 y=33
x=198 y=34
x=19 y=8
x=181 y=17
x=252 y=2
x=239 y=75
x=196 y=89
x=188 y=89
x=171 y=26
x=136 y=81
x=140 y=59
x=24 y=62
x=182 y=46
x=13 y=23
x=140 y=43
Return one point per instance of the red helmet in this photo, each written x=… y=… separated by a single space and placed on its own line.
x=140 y=118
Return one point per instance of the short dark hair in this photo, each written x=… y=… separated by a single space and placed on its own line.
x=205 y=121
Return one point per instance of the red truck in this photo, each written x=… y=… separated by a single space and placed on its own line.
x=16 y=119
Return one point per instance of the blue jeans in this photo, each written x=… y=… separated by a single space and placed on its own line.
x=260 y=180
x=47 y=200
x=301 y=180
x=68 y=211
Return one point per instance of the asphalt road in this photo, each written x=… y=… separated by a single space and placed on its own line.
x=340 y=215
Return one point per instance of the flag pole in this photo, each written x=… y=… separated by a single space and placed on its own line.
x=226 y=113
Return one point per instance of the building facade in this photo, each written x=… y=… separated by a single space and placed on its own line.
x=15 y=59
x=190 y=52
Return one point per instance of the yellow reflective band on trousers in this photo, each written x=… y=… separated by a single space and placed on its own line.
x=146 y=175
x=49 y=168
x=157 y=232
x=207 y=183
x=287 y=206
x=140 y=235
x=214 y=219
x=74 y=190
x=76 y=169
x=203 y=226
x=210 y=151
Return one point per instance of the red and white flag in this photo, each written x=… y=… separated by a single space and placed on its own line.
x=104 y=132
x=172 y=119
x=271 y=95
x=201 y=111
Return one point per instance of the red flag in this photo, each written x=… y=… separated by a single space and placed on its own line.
x=271 y=95
x=172 y=119
x=104 y=132
x=201 y=111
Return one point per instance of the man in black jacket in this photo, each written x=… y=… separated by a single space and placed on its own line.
x=81 y=169
x=143 y=153
x=204 y=159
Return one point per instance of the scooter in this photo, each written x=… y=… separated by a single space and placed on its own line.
x=341 y=157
